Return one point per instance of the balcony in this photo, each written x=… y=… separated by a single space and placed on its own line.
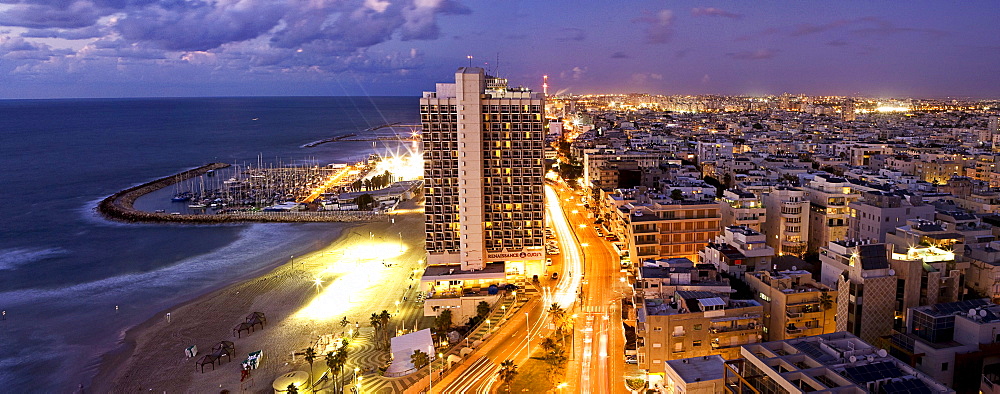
x=725 y=329
x=793 y=330
x=680 y=334
x=793 y=315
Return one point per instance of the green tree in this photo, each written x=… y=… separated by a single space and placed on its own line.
x=482 y=309
x=508 y=371
x=554 y=355
x=825 y=303
x=443 y=323
x=636 y=385
x=677 y=194
x=384 y=318
x=310 y=357
x=364 y=201
x=419 y=359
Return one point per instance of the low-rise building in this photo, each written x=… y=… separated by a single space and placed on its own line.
x=737 y=250
x=831 y=363
x=694 y=324
x=956 y=343
x=695 y=375
x=794 y=304
x=878 y=213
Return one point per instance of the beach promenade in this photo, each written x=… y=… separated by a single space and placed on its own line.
x=365 y=271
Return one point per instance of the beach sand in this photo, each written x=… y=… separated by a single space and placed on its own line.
x=152 y=358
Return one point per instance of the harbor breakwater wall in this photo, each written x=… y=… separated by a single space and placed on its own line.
x=120 y=206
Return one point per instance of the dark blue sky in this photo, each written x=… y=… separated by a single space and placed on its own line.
x=131 y=48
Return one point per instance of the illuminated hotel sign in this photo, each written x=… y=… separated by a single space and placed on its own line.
x=514 y=255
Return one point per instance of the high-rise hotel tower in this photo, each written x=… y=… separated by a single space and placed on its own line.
x=483 y=166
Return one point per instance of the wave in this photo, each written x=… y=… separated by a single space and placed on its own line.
x=11 y=259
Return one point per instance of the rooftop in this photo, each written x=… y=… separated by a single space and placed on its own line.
x=698 y=369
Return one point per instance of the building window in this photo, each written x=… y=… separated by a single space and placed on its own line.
x=944 y=366
x=697 y=327
x=696 y=343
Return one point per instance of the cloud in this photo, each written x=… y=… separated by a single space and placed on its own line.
x=620 y=55
x=67 y=34
x=571 y=34
x=712 y=11
x=251 y=36
x=576 y=73
x=644 y=78
x=760 y=54
x=75 y=14
x=805 y=29
x=659 y=28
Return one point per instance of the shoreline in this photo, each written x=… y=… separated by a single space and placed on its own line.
x=150 y=354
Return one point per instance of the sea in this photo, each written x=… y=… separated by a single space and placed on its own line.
x=72 y=282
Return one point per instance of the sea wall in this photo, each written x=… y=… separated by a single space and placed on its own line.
x=120 y=206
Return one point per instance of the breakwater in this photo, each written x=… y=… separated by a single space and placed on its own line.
x=120 y=206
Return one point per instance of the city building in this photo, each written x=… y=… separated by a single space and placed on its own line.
x=794 y=304
x=695 y=375
x=739 y=249
x=956 y=343
x=878 y=213
x=830 y=363
x=656 y=226
x=662 y=278
x=787 y=220
x=828 y=215
x=866 y=287
x=694 y=324
x=483 y=146
x=742 y=208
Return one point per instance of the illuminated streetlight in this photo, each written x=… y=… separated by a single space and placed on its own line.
x=489 y=326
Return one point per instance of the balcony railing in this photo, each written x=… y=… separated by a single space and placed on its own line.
x=793 y=315
x=679 y=334
x=744 y=327
x=793 y=330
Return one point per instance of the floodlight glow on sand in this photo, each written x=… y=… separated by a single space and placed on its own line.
x=356 y=276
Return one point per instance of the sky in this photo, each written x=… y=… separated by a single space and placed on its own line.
x=183 y=48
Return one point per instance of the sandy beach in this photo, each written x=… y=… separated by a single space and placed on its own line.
x=365 y=270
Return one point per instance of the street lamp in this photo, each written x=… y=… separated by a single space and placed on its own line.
x=489 y=327
x=397 y=307
x=356 y=370
x=358 y=385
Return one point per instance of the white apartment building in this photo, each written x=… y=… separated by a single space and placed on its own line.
x=739 y=249
x=483 y=161
x=829 y=197
x=787 y=220
x=742 y=208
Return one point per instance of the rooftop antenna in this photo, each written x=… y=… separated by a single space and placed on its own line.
x=545 y=85
x=470 y=60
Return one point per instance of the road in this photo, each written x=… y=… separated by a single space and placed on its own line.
x=509 y=342
x=599 y=367
x=482 y=374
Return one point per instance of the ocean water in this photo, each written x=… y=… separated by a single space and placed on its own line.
x=71 y=282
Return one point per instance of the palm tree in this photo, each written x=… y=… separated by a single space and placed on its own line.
x=377 y=325
x=344 y=322
x=826 y=303
x=331 y=363
x=482 y=309
x=384 y=319
x=310 y=357
x=291 y=389
x=419 y=359
x=507 y=372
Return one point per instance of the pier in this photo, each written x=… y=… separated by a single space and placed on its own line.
x=120 y=206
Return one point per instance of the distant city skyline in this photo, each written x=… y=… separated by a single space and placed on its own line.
x=103 y=48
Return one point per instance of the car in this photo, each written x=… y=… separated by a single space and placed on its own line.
x=548 y=261
x=555 y=275
x=599 y=232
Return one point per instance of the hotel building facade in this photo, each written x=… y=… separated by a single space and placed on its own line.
x=483 y=146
